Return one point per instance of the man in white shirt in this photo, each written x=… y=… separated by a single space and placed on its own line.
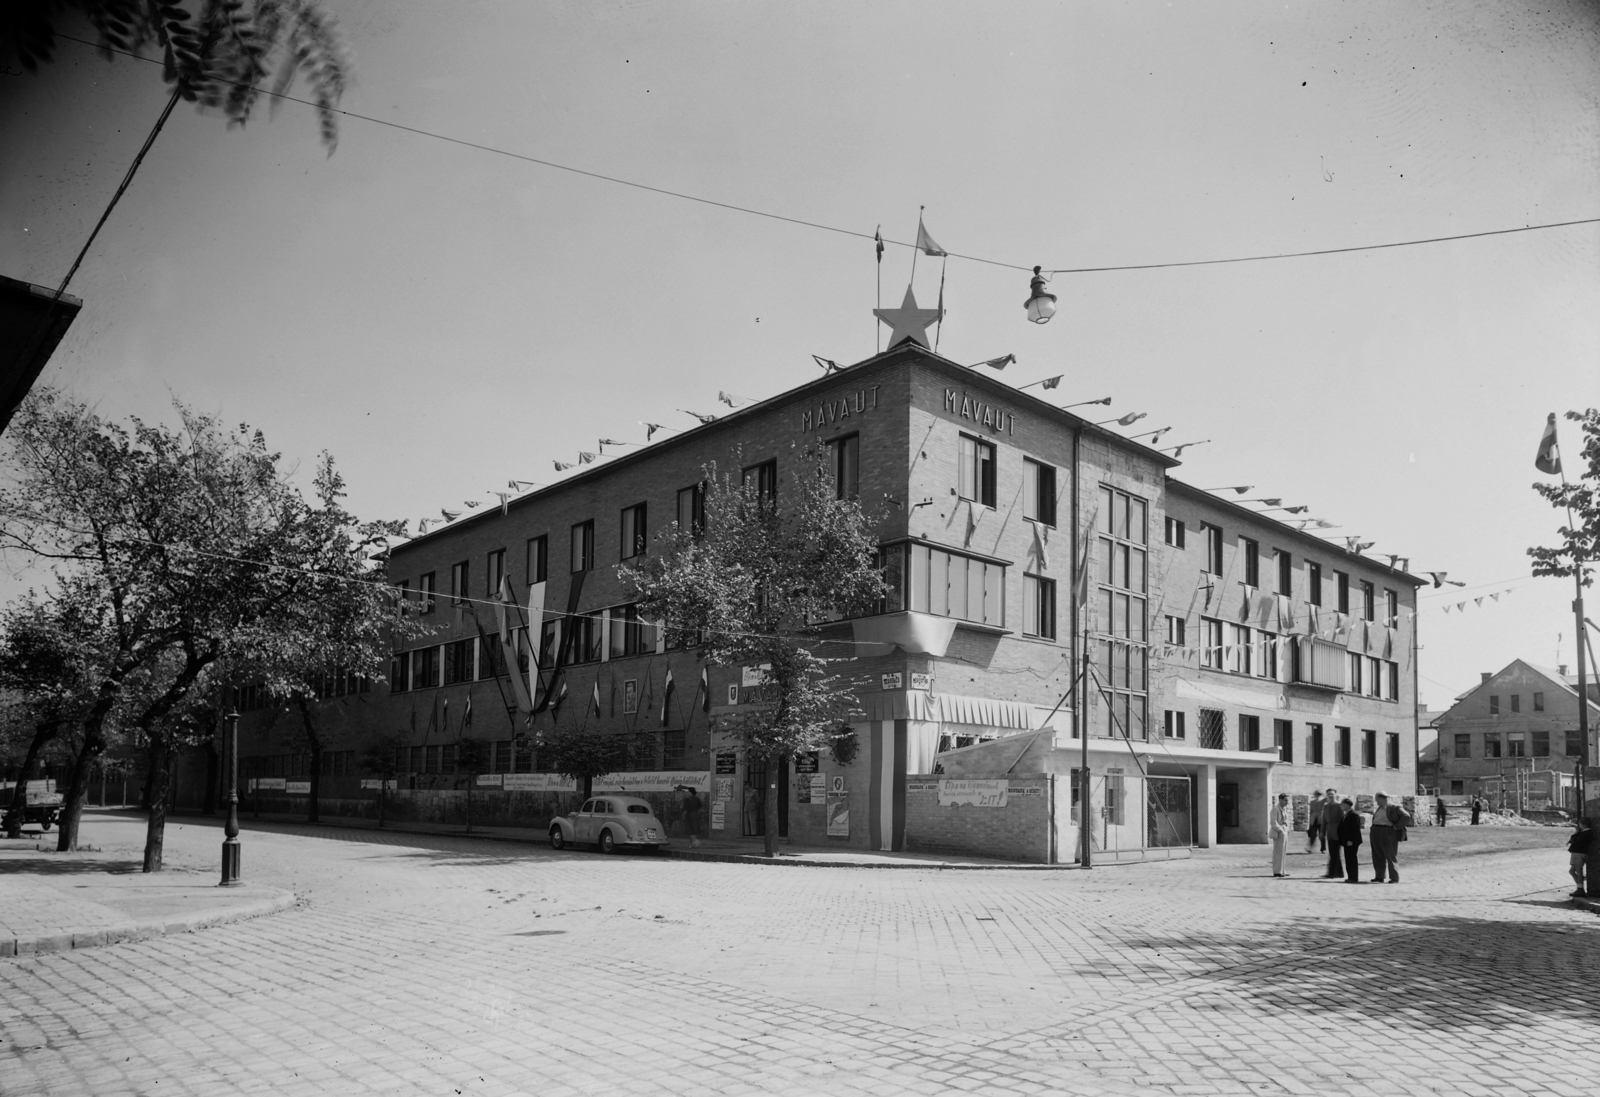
x=1383 y=835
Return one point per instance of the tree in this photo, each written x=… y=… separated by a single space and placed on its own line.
x=218 y=56
x=1580 y=538
x=754 y=587
x=200 y=557
x=580 y=754
x=381 y=758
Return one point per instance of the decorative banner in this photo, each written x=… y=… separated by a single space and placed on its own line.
x=491 y=780
x=298 y=788
x=374 y=782
x=654 y=781
x=538 y=782
x=268 y=784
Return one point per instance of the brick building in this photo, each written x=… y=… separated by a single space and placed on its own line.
x=1513 y=739
x=1230 y=655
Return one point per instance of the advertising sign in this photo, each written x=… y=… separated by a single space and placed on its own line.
x=718 y=816
x=537 y=782
x=490 y=780
x=727 y=761
x=921 y=681
x=892 y=681
x=298 y=788
x=374 y=782
x=838 y=817
x=654 y=781
x=982 y=792
x=270 y=784
x=807 y=761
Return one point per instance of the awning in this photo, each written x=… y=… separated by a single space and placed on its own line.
x=949 y=708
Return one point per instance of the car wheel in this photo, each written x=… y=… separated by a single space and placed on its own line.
x=557 y=839
x=608 y=844
x=44 y=826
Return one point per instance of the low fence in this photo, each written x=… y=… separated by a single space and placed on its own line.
x=490 y=807
x=1005 y=818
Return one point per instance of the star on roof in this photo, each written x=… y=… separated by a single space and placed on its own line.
x=908 y=322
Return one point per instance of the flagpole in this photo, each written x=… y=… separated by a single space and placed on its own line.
x=916 y=248
x=939 y=331
x=1586 y=757
x=877 y=328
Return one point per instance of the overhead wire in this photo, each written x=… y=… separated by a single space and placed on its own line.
x=874 y=236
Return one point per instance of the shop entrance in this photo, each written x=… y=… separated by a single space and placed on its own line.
x=754 y=799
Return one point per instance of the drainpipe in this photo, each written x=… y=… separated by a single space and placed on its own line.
x=1080 y=714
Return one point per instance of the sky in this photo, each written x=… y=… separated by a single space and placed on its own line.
x=443 y=319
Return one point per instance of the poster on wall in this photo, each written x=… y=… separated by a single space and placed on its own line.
x=654 y=781
x=298 y=788
x=724 y=789
x=630 y=695
x=727 y=761
x=838 y=817
x=982 y=792
x=921 y=681
x=808 y=761
x=718 y=814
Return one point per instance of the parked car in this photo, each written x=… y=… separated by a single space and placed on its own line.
x=42 y=805
x=609 y=822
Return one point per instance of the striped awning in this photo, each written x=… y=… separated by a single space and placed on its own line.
x=948 y=708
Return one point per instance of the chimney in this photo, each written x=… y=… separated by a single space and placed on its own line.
x=1561 y=668
x=1489 y=674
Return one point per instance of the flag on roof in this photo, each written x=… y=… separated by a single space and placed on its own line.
x=1002 y=362
x=925 y=242
x=1052 y=382
x=1549 y=457
x=563 y=466
x=877 y=242
x=584 y=457
x=828 y=364
x=449 y=517
x=698 y=415
x=650 y=430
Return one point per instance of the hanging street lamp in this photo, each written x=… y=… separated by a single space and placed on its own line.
x=1040 y=305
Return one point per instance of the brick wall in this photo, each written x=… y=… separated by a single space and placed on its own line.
x=1020 y=831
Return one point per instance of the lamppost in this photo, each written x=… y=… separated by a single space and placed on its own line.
x=230 y=766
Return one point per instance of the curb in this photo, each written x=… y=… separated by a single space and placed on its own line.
x=69 y=940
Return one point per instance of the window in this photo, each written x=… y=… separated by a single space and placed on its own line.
x=1391 y=751
x=1285 y=573
x=1174 y=533
x=400 y=672
x=1369 y=749
x=633 y=525
x=1249 y=733
x=674 y=749
x=1239 y=650
x=1038 y=607
x=458 y=662
x=1314 y=583
x=492 y=659
x=1252 y=561
x=1175 y=630
x=1516 y=745
x=1574 y=743
x=1314 y=743
x=583 y=546
x=1213 y=536
x=1538 y=702
x=1341 y=746
x=977 y=472
x=1393 y=677
x=1267 y=655
x=1374 y=676
x=458 y=583
x=847 y=466
x=1121 y=620
x=629 y=634
x=1342 y=587
x=1211 y=646
x=1355 y=673
x=494 y=571
x=1494 y=704
x=1457 y=788
x=1172 y=725
x=1321 y=663
x=1463 y=745
x=1283 y=735
x=538 y=559
x=426 y=588
x=692 y=510
x=1541 y=744
x=583 y=641
x=1116 y=798
x=1038 y=491
x=549 y=642
x=1211 y=729
x=1516 y=702
x=1369 y=607
x=946 y=584
x=763 y=480
x=1491 y=744
x=425 y=668
x=1391 y=608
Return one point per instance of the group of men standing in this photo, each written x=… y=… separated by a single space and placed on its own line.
x=1337 y=825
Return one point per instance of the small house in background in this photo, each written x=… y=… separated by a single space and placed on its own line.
x=1513 y=741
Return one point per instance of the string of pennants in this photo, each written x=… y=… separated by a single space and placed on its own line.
x=1493 y=596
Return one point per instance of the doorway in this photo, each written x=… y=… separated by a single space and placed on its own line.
x=754 y=799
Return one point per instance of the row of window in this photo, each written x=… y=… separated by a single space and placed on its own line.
x=1211 y=536
x=1213 y=736
x=1516 y=744
x=335 y=763
x=1516 y=703
x=611 y=633
x=977 y=476
x=1240 y=649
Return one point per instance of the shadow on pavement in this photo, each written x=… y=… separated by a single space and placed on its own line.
x=1443 y=973
x=65 y=864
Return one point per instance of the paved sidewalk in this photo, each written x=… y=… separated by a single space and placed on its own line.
x=55 y=902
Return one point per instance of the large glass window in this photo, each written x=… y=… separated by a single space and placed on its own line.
x=977 y=472
x=426 y=588
x=1121 y=621
x=1211 y=643
x=629 y=634
x=944 y=583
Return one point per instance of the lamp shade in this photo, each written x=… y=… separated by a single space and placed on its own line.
x=1040 y=305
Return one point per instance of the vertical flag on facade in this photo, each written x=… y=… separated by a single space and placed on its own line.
x=705 y=690
x=466 y=718
x=1549 y=458
x=594 y=697
x=666 y=695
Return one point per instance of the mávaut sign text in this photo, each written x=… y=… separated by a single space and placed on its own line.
x=987 y=415
x=837 y=408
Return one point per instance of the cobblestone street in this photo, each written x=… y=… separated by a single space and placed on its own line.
x=457 y=966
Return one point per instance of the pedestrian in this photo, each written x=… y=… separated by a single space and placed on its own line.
x=1477 y=809
x=1282 y=820
x=1332 y=816
x=1314 y=822
x=1578 y=847
x=691 y=815
x=1384 y=835
x=1349 y=836
x=1439 y=809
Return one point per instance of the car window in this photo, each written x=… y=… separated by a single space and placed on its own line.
x=602 y=808
x=588 y=805
x=638 y=809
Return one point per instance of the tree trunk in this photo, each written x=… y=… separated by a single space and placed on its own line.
x=470 y=780
x=19 y=795
x=315 y=742
x=769 y=808
x=156 y=827
x=94 y=743
x=383 y=796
